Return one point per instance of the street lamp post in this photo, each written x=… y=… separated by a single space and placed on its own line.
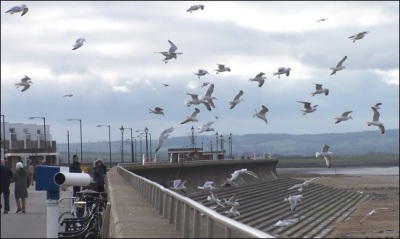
x=44 y=126
x=122 y=143
x=222 y=143
x=80 y=130
x=216 y=141
x=140 y=145
x=230 y=145
x=68 y=147
x=132 y=152
x=4 y=137
x=151 y=151
x=109 y=139
x=146 y=130
x=192 y=129
x=211 y=145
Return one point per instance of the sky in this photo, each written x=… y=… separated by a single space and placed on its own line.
x=116 y=76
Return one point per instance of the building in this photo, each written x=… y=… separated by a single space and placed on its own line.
x=28 y=141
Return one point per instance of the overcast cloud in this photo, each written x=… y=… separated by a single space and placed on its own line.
x=115 y=77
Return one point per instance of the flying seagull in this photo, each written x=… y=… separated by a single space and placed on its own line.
x=207 y=127
x=157 y=111
x=222 y=68
x=233 y=211
x=215 y=199
x=208 y=186
x=293 y=200
x=320 y=90
x=345 y=116
x=322 y=20
x=308 y=108
x=358 y=36
x=208 y=96
x=79 y=42
x=282 y=70
x=260 y=78
x=171 y=52
x=166 y=85
x=261 y=114
x=163 y=136
x=25 y=82
x=373 y=211
x=205 y=84
x=68 y=95
x=23 y=8
x=195 y=7
x=201 y=72
x=326 y=154
x=375 y=120
x=192 y=117
x=196 y=101
x=377 y=106
x=179 y=185
x=233 y=201
x=302 y=185
x=236 y=100
x=338 y=66
x=237 y=173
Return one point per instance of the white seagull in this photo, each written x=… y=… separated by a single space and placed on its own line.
x=163 y=136
x=233 y=201
x=303 y=185
x=201 y=72
x=207 y=127
x=236 y=100
x=68 y=95
x=179 y=185
x=157 y=111
x=375 y=120
x=377 y=106
x=345 y=116
x=308 y=108
x=205 y=84
x=196 y=101
x=338 y=66
x=358 y=36
x=208 y=186
x=322 y=20
x=282 y=70
x=260 y=78
x=213 y=198
x=320 y=90
x=261 y=114
x=195 y=7
x=286 y=222
x=79 y=42
x=166 y=85
x=326 y=154
x=208 y=96
x=25 y=82
x=293 y=201
x=171 y=52
x=192 y=117
x=373 y=211
x=233 y=211
x=239 y=172
x=222 y=68
x=23 y=8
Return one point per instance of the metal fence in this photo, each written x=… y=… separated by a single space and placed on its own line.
x=187 y=214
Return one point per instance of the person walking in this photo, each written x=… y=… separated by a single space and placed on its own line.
x=6 y=175
x=31 y=171
x=99 y=174
x=75 y=168
x=21 y=179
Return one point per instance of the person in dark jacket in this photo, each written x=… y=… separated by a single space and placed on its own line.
x=99 y=173
x=6 y=175
x=75 y=168
x=21 y=179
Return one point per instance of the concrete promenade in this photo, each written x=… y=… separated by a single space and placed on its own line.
x=131 y=216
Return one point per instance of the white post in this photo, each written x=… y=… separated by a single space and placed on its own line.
x=52 y=218
x=144 y=159
x=155 y=158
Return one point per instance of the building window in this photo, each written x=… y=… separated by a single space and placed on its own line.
x=28 y=137
x=26 y=131
x=13 y=137
x=12 y=130
x=38 y=131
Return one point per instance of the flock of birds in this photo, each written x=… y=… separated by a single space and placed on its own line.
x=208 y=99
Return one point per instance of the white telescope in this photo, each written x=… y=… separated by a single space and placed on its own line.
x=72 y=179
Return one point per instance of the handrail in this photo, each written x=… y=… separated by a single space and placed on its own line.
x=160 y=198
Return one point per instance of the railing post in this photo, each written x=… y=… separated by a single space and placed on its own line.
x=186 y=227
x=210 y=227
x=228 y=232
x=160 y=201
x=165 y=204
x=171 y=209
x=178 y=215
x=196 y=224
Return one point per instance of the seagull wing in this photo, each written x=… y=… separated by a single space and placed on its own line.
x=325 y=148
x=251 y=173
x=24 y=11
x=318 y=86
x=210 y=90
x=263 y=110
x=376 y=114
x=345 y=114
x=296 y=186
x=163 y=136
x=238 y=95
x=328 y=160
x=196 y=111
x=173 y=48
x=259 y=75
x=340 y=62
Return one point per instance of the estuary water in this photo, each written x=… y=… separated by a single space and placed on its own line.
x=348 y=170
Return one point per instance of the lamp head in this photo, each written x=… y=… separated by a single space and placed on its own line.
x=146 y=130
x=192 y=129
x=122 y=129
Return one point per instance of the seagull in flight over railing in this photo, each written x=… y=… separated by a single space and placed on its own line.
x=171 y=52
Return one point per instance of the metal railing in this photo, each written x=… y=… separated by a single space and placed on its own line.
x=177 y=209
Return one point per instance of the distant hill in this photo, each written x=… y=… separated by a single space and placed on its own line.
x=352 y=143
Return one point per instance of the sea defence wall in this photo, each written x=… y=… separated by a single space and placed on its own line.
x=197 y=172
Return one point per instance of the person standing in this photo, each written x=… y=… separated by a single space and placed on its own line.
x=21 y=179
x=31 y=171
x=75 y=168
x=6 y=175
x=99 y=173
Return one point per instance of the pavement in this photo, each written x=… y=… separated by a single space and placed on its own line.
x=33 y=223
